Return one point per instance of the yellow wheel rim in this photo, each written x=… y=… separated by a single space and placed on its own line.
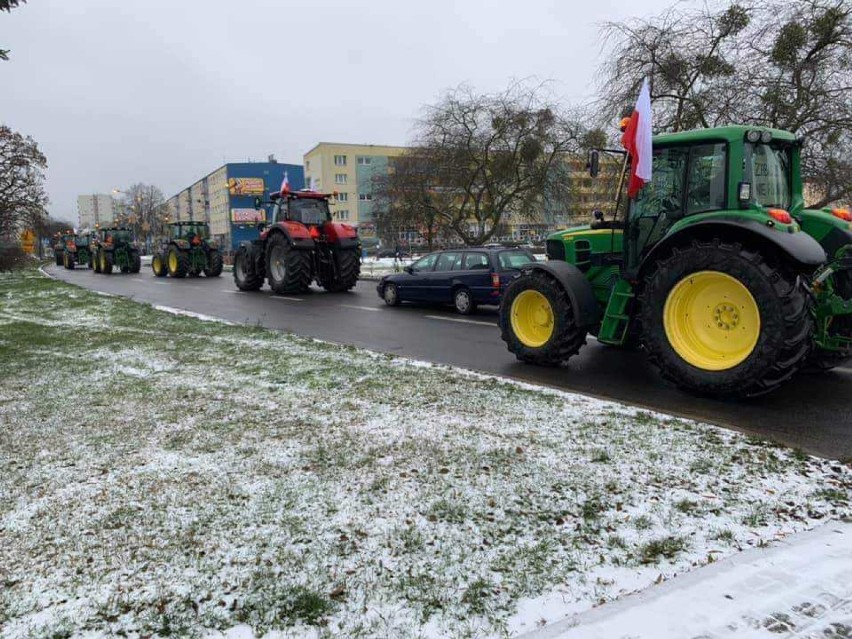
x=103 y=262
x=173 y=262
x=532 y=318
x=157 y=264
x=711 y=320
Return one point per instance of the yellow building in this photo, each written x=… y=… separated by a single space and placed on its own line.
x=349 y=170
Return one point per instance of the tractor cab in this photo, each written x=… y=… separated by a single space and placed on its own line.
x=83 y=240
x=193 y=232
x=116 y=235
x=306 y=207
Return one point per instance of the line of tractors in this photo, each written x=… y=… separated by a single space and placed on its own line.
x=716 y=269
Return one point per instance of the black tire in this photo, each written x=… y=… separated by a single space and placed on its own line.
x=135 y=262
x=246 y=274
x=348 y=270
x=214 y=264
x=69 y=260
x=60 y=257
x=566 y=339
x=106 y=262
x=390 y=294
x=96 y=262
x=288 y=270
x=463 y=301
x=785 y=320
x=158 y=265
x=178 y=263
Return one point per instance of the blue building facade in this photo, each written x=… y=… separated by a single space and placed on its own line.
x=225 y=198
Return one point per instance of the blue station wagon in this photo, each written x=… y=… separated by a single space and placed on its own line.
x=464 y=278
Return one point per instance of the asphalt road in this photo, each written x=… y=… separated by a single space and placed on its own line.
x=813 y=413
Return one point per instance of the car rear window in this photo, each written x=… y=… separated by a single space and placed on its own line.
x=514 y=259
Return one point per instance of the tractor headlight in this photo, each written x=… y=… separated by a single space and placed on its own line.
x=753 y=136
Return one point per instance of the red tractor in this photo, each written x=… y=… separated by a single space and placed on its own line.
x=299 y=245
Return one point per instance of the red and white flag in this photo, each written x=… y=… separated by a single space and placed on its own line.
x=637 y=141
x=285 y=185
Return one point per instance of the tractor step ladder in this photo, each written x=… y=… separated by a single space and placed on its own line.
x=616 y=319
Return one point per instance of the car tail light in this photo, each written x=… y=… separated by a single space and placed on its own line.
x=495 y=280
x=843 y=214
x=780 y=215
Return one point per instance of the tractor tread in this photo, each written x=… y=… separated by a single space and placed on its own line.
x=252 y=280
x=349 y=268
x=298 y=265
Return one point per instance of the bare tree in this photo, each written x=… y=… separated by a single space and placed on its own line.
x=145 y=210
x=488 y=155
x=785 y=64
x=22 y=195
x=7 y=6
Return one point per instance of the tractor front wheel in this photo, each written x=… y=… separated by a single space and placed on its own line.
x=214 y=264
x=287 y=269
x=537 y=321
x=106 y=263
x=720 y=320
x=178 y=263
x=158 y=265
x=247 y=277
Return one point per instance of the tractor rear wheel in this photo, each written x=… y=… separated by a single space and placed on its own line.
x=721 y=320
x=214 y=264
x=537 y=321
x=246 y=275
x=59 y=257
x=96 y=261
x=106 y=263
x=348 y=269
x=69 y=260
x=158 y=265
x=288 y=270
x=178 y=263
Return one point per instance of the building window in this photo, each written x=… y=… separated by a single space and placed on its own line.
x=339 y=160
x=342 y=197
x=365 y=160
x=341 y=215
x=308 y=165
x=340 y=178
x=365 y=197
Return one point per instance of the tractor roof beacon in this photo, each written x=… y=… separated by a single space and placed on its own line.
x=709 y=270
x=300 y=244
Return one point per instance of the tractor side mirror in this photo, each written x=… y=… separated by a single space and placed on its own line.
x=594 y=163
x=257 y=203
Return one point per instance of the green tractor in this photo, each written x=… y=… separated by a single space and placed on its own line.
x=116 y=247
x=77 y=251
x=59 y=243
x=187 y=251
x=717 y=271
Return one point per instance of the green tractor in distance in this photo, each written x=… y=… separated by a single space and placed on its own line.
x=60 y=240
x=711 y=271
x=116 y=247
x=188 y=250
x=77 y=251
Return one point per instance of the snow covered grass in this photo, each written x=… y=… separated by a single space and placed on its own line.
x=164 y=475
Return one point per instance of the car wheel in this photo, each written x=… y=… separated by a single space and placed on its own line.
x=463 y=301
x=391 y=294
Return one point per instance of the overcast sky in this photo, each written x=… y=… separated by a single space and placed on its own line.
x=165 y=91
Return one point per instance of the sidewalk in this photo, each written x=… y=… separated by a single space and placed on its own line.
x=800 y=588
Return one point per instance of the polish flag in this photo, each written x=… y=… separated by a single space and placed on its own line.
x=285 y=185
x=637 y=141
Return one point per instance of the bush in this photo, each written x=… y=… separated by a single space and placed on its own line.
x=13 y=258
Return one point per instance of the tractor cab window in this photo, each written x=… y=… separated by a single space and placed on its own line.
x=660 y=202
x=83 y=240
x=309 y=210
x=768 y=168
x=707 y=171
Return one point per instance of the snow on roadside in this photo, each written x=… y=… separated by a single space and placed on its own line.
x=168 y=476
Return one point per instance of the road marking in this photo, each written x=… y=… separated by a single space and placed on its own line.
x=362 y=308
x=287 y=299
x=229 y=290
x=458 y=319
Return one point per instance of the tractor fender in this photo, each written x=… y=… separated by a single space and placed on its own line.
x=799 y=247
x=297 y=234
x=579 y=290
x=343 y=235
